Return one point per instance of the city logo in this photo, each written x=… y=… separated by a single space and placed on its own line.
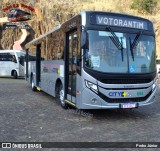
x=140 y=93
x=118 y=94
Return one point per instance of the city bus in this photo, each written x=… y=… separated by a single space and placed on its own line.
x=12 y=63
x=96 y=60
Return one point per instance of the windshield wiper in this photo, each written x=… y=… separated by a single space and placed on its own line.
x=135 y=42
x=116 y=41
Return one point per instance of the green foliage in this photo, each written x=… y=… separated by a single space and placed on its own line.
x=144 y=5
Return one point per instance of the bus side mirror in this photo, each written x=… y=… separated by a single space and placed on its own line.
x=84 y=40
x=79 y=59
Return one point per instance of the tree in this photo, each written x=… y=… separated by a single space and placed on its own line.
x=144 y=5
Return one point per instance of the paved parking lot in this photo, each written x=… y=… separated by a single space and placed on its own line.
x=28 y=116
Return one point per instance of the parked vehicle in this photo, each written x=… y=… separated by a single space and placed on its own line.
x=12 y=63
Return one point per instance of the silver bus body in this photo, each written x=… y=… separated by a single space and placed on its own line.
x=86 y=87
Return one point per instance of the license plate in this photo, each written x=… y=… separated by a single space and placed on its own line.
x=126 y=106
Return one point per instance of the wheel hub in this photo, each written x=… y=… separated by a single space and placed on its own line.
x=61 y=94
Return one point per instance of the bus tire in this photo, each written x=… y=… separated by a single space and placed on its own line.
x=60 y=95
x=15 y=74
x=32 y=84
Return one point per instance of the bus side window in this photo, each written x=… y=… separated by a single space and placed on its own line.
x=1 y=57
x=4 y=57
x=11 y=57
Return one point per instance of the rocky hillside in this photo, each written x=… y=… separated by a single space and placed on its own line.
x=50 y=13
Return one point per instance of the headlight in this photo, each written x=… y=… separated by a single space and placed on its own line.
x=154 y=84
x=91 y=86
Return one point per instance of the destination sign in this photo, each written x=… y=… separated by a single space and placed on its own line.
x=121 y=22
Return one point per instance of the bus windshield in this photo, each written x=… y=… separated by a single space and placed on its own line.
x=21 y=57
x=120 y=52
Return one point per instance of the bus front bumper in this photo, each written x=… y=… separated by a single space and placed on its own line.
x=90 y=100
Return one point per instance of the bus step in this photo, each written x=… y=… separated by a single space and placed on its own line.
x=38 y=88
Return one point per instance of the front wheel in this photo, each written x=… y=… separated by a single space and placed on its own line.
x=60 y=96
x=32 y=84
x=15 y=74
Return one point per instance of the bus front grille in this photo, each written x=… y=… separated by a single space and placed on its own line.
x=124 y=100
x=125 y=81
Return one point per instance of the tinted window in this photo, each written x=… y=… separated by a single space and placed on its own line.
x=8 y=57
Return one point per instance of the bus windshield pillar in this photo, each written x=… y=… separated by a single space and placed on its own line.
x=38 y=63
x=27 y=59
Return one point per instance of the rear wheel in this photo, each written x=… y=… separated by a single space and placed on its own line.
x=15 y=74
x=60 y=95
x=32 y=84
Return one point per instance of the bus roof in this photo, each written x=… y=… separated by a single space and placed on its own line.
x=114 y=13
x=42 y=36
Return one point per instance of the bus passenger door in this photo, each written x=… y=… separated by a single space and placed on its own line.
x=38 y=64
x=71 y=66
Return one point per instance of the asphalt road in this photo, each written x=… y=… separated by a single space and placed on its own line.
x=28 y=116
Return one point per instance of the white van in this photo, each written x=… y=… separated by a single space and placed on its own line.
x=12 y=63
